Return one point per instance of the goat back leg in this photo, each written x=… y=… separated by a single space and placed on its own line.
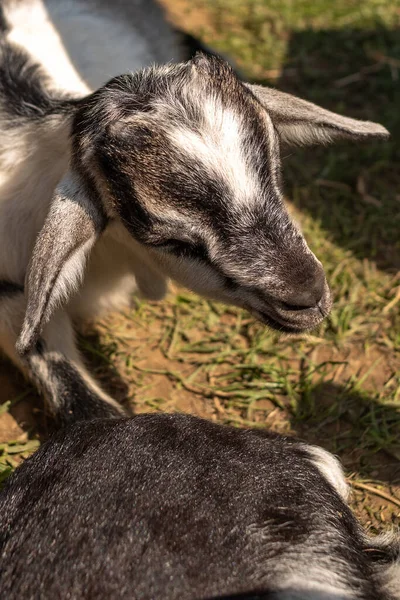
x=55 y=365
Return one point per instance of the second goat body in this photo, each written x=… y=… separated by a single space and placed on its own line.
x=175 y=507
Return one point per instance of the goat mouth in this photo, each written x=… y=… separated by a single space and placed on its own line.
x=284 y=326
x=294 y=319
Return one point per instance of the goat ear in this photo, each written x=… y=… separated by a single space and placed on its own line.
x=72 y=226
x=302 y=123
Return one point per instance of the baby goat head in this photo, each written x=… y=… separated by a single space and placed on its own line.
x=182 y=163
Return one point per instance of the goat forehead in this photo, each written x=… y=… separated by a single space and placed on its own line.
x=224 y=144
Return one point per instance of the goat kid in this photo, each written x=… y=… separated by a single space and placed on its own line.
x=175 y=507
x=169 y=172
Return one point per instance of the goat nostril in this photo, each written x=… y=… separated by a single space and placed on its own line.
x=311 y=297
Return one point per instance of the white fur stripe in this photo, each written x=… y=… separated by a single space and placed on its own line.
x=220 y=147
x=330 y=468
x=32 y=29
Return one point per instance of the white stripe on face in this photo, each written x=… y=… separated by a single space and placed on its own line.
x=222 y=148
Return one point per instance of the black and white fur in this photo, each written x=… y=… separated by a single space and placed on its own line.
x=175 y=507
x=167 y=172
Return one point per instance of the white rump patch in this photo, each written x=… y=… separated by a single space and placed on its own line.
x=221 y=146
x=330 y=468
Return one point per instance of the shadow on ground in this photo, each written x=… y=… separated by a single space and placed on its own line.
x=365 y=434
x=352 y=189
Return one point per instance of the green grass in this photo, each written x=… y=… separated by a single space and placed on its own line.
x=340 y=386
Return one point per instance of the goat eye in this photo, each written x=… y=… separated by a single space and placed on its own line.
x=181 y=248
x=170 y=244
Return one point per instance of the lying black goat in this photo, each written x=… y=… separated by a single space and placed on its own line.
x=174 y=507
